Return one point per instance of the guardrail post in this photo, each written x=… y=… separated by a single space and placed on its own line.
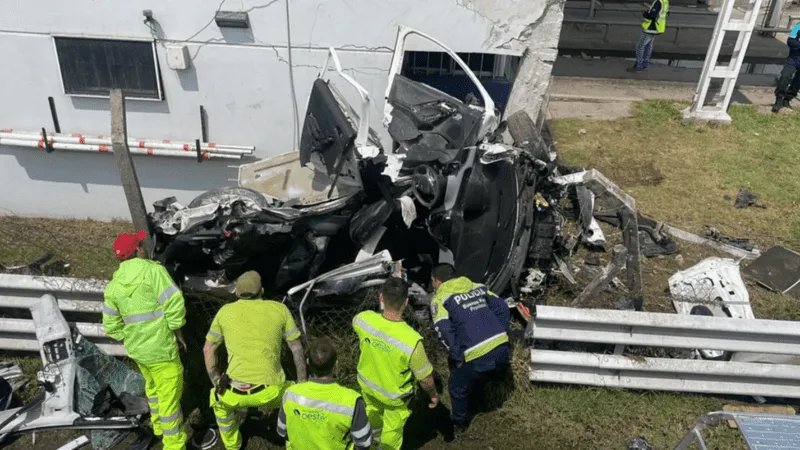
x=125 y=167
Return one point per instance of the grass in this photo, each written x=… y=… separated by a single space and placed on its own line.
x=677 y=172
x=681 y=172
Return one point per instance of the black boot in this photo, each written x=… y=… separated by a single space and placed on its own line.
x=144 y=438
x=787 y=104
x=777 y=106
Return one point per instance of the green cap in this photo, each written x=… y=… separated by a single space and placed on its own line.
x=248 y=285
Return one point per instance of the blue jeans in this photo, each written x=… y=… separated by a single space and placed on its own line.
x=463 y=380
x=644 y=48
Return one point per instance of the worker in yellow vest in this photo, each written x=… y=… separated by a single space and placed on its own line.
x=321 y=414
x=655 y=23
x=252 y=330
x=144 y=309
x=392 y=356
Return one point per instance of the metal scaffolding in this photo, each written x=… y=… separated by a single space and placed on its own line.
x=717 y=110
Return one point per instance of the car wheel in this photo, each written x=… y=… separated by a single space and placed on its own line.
x=222 y=194
x=711 y=355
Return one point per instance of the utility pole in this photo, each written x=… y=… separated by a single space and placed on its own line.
x=125 y=167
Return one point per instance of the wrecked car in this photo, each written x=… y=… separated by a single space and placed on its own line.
x=449 y=190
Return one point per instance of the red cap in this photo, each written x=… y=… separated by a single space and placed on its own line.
x=126 y=243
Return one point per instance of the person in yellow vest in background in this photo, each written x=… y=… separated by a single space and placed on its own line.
x=144 y=309
x=655 y=23
x=252 y=330
x=392 y=356
x=321 y=414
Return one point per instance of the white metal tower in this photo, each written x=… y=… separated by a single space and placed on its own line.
x=727 y=73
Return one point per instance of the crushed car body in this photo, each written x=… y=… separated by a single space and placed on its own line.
x=450 y=190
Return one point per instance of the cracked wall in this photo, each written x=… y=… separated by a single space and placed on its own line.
x=240 y=77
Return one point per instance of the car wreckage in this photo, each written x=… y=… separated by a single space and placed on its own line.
x=340 y=210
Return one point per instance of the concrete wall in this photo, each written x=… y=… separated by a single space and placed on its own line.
x=241 y=77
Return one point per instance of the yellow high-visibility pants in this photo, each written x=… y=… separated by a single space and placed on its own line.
x=164 y=388
x=387 y=422
x=229 y=403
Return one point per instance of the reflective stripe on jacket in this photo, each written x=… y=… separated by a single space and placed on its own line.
x=142 y=308
x=661 y=20
x=320 y=416
x=384 y=365
x=470 y=320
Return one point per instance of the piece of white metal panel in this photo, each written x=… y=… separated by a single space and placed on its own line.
x=681 y=375
x=666 y=330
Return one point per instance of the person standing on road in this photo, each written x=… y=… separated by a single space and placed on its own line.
x=252 y=330
x=655 y=23
x=392 y=356
x=321 y=414
x=789 y=82
x=472 y=324
x=144 y=309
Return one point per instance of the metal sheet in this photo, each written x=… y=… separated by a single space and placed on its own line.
x=777 y=269
x=21 y=292
x=680 y=375
x=769 y=432
x=666 y=330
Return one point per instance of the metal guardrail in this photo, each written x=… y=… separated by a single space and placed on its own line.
x=624 y=328
x=677 y=27
x=75 y=295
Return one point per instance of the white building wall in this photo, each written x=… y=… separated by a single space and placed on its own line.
x=241 y=77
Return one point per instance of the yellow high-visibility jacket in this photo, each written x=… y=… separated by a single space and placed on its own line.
x=142 y=308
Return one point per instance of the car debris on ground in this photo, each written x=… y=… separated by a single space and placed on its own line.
x=778 y=269
x=716 y=235
x=746 y=198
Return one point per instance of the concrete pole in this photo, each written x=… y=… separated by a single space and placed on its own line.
x=125 y=167
x=772 y=17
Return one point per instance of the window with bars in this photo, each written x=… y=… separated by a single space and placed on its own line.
x=95 y=66
x=484 y=65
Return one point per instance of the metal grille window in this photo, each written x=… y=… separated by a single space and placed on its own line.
x=95 y=66
x=484 y=65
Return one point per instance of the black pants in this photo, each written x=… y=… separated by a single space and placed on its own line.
x=789 y=83
x=472 y=376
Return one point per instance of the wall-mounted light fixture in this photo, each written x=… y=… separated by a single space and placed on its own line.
x=232 y=19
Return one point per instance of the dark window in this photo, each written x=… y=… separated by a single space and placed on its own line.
x=484 y=65
x=95 y=66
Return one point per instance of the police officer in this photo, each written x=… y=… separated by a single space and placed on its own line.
x=252 y=330
x=472 y=324
x=144 y=309
x=392 y=356
x=789 y=81
x=321 y=414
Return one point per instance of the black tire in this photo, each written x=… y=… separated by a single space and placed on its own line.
x=702 y=310
x=215 y=195
x=526 y=135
